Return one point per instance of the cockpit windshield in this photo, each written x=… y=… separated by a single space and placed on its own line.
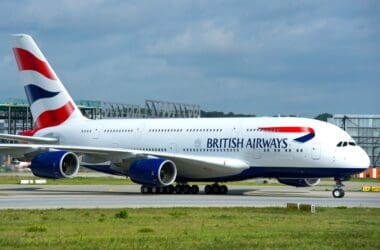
x=346 y=143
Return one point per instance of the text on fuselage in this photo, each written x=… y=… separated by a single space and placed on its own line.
x=235 y=142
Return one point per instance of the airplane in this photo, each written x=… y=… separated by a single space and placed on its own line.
x=156 y=153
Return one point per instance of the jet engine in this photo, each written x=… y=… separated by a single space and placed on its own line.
x=307 y=182
x=55 y=165
x=155 y=172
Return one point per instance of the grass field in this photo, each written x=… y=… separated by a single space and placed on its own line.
x=107 y=181
x=190 y=228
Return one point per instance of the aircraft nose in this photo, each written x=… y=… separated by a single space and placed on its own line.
x=363 y=159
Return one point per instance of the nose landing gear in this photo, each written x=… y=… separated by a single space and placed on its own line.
x=338 y=191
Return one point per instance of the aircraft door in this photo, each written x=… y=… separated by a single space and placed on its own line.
x=316 y=151
x=95 y=133
x=173 y=148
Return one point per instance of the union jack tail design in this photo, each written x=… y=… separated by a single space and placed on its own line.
x=50 y=103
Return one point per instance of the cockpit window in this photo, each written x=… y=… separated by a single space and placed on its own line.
x=345 y=144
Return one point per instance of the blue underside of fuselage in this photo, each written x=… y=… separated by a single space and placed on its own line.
x=282 y=172
x=259 y=172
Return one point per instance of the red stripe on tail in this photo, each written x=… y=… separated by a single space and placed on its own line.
x=28 y=61
x=55 y=117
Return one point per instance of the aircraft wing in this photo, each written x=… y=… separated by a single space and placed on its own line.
x=187 y=165
x=29 y=139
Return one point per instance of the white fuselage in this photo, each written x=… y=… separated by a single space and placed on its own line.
x=232 y=138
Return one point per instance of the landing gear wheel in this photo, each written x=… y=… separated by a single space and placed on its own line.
x=215 y=189
x=194 y=189
x=156 y=190
x=170 y=189
x=208 y=189
x=179 y=189
x=186 y=189
x=338 y=193
x=223 y=189
x=146 y=190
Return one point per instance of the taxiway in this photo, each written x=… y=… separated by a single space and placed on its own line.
x=117 y=196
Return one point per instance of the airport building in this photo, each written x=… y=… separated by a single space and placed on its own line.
x=15 y=114
x=365 y=129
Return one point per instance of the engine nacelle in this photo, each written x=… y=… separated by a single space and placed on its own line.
x=153 y=172
x=55 y=165
x=306 y=182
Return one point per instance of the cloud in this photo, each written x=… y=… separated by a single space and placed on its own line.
x=202 y=37
x=258 y=57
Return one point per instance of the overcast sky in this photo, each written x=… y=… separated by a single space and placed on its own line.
x=258 y=57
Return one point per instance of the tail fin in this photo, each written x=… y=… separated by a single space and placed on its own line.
x=50 y=103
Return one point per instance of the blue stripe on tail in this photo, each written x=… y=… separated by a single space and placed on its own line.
x=34 y=93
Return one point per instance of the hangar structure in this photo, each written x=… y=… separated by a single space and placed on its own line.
x=15 y=114
x=365 y=130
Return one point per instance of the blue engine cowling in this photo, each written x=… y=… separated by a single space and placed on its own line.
x=297 y=182
x=153 y=172
x=55 y=165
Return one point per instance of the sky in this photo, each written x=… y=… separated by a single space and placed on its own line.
x=254 y=57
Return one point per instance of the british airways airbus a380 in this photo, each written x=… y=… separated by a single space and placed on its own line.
x=158 y=152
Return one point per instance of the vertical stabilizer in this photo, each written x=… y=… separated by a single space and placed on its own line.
x=50 y=103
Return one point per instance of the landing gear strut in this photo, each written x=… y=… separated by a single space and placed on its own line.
x=216 y=189
x=338 y=191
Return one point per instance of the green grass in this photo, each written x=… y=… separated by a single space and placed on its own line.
x=191 y=228
x=70 y=181
x=109 y=181
x=365 y=179
x=127 y=181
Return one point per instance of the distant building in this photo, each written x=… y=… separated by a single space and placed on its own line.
x=15 y=114
x=365 y=129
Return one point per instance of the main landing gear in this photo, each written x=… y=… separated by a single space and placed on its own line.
x=171 y=189
x=216 y=189
x=338 y=191
x=184 y=188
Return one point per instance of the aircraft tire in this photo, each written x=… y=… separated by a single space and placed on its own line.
x=186 y=189
x=170 y=189
x=178 y=189
x=223 y=189
x=338 y=193
x=215 y=189
x=194 y=189
x=208 y=189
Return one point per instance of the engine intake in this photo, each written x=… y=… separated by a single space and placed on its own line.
x=307 y=182
x=55 y=165
x=153 y=172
